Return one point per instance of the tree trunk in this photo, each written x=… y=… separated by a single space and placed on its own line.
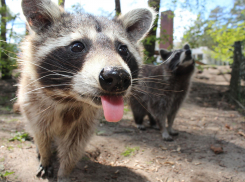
x=149 y=41
x=4 y=62
x=62 y=3
x=235 y=73
x=117 y=7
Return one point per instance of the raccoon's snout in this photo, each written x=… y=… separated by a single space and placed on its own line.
x=188 y=53
x=114 y=79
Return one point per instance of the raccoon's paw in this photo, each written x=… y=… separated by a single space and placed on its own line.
x=64 y=179
x=155 y=127
x=167 y=137
x=173 y=132
x=141 y=126
x=45 y=172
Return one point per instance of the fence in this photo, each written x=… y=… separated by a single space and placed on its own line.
x=242 y=82
x=237 y=82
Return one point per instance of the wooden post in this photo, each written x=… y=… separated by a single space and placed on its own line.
x=118 y=7
x=235 y=73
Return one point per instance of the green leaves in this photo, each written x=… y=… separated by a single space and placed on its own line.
x=20 y=136
x=219 y=31
x=4 y=175
x=224 y=37
x=130 y=151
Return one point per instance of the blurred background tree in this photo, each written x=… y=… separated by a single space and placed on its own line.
x=219 y=31
x=8 y=48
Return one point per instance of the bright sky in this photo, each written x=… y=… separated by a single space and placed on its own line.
x=182 y=20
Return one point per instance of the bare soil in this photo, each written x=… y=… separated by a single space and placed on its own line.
x=210 y=146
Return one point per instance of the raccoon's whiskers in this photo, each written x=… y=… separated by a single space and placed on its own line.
x=57 y=58
x=140 y=102
x=163 y=89
x=7 y=50
x=148 y=81
x=146 y=92
x=43 y=110
x=139 y=89
x=49 y=70
x=39 y=79
x=47 y=87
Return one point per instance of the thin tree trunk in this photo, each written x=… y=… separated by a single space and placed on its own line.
x=118 y=7
x=235 y=73
x=149 y=42
x=5 y=67
x=62 y=3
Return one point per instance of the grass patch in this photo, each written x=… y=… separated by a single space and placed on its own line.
x=100 y=132
x=2 y=160
x=6 y=174
x=130 y=151
x=13 y=120
x=20 y=136
x=126 y=109
x=10 y=148
x=86 y=158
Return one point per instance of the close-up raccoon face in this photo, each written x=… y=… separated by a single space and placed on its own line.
x=84 y=57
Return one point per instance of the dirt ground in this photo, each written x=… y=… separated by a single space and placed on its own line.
x=120 y=152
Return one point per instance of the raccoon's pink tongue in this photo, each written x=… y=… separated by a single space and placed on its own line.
x=113 y=108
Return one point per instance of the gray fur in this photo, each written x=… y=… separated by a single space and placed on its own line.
x=59 y=91
x=160 y=90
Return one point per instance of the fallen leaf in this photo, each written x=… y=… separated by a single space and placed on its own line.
x=228 y=127
x=216 y=150
x=160 y=157
x=241 y=133
x=178 y=149
x=169 y=163
x=163 y=148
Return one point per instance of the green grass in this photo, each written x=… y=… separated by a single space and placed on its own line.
x=4 y=175
x=10 y=148
x=129 y=151
x=85 y=158
x=126 y=109
x=20 y=136
x=2 y=160
x=100 y=132
x=13 y=120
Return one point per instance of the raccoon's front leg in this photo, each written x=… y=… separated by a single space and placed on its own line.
x=171 y=118
x=139 y=122
x=70 y=150
x=43 y=143
x=164 y=131
x=153 y=122
x=139 y=114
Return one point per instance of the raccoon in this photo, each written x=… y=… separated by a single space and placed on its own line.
x=72 y=65
x=160 y=90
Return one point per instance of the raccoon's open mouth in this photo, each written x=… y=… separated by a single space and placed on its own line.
x=112 y=105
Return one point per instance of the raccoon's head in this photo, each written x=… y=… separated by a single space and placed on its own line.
x=83 y=57
x=179 y=61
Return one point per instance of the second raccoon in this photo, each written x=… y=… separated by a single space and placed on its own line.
x=161 y=89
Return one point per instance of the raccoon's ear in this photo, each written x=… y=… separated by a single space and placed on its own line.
x=138 y=22
x=40 y=14
x=186 y=47
x=164 y=54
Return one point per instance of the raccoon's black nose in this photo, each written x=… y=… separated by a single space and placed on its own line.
x=114 y=79
x=188 y=52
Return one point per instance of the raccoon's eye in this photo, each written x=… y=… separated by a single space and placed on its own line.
x=123 y=50
x=77 y=47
